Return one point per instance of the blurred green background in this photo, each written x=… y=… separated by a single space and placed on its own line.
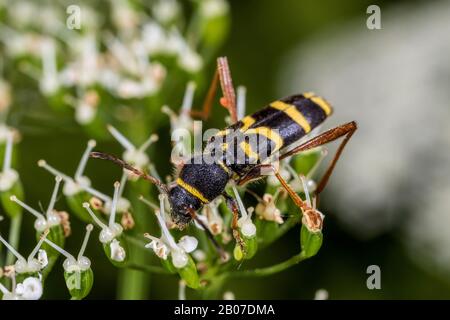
x=262 y=32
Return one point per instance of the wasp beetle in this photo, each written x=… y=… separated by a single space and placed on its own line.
x=282 y=124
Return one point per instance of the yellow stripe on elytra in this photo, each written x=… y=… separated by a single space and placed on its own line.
x=247 y=122
x=192 y=190
x=292 y=112
x=269 y=134
x=247 y=148
x=324 y=105
x=222 y=133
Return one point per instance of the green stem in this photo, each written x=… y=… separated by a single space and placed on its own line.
x=14 y=236
x=134 y=283
x=147 y=268
x=215 y=287
x=261 y=272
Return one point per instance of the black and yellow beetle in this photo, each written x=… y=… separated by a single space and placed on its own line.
x=280 y=124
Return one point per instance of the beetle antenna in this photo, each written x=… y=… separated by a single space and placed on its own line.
x=105 y=156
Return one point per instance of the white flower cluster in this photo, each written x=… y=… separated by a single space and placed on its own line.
x=125 y=63
x=166 y=244
x=29 y=289
x=8 y=176
x=113 y=230
x=79 y=182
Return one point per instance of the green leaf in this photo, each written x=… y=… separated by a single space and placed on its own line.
x=79 y=283
x=167 y=264
x=189 y=274
x=251 y=246
x=310 y=241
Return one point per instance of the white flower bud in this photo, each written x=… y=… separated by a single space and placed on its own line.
x=7 y=179
x=188 y=243
x=228 y=295
x=40 y=224
x=190 y=60
x=30 y=289
x=117 y=252
x=85 y=113
x=158 y=247
x=42 y=258
x=199 y=255
x=166 y=10
x=248 y=229
x=123 y=205
x=213 y=8
x=267 y=210
x=179 y=259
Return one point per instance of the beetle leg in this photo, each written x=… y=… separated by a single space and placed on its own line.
x=232 y=205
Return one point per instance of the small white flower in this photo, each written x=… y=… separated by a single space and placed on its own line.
x=228 y=295
x=30 y=289
x=123 y=205
x=166 y=10
x=267 y=210
x=42 y=258
x=133 y=155
x=189 y=60
x=124 y=16
x=158 y=246
x=188 y=243
x=85 y=113
x=8 y=179
x=49 y=83
x=8 y=176
x=30 y=264
x=117 y=252
x=179 y=258
x=166 y=244
x=113 y=230
x=72 y=264
x=154 y=38
x=248 y=228
x=51 y=218
x=312 y=218
x=245 y=222
x=321 y=294
x=86 y=107
x=213 y=8
x=182 y=125
x=212 y=217
x=199 y=255
x=79 y=182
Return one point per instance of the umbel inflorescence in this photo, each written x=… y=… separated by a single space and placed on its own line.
x=114 y=84
x=188 y=255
